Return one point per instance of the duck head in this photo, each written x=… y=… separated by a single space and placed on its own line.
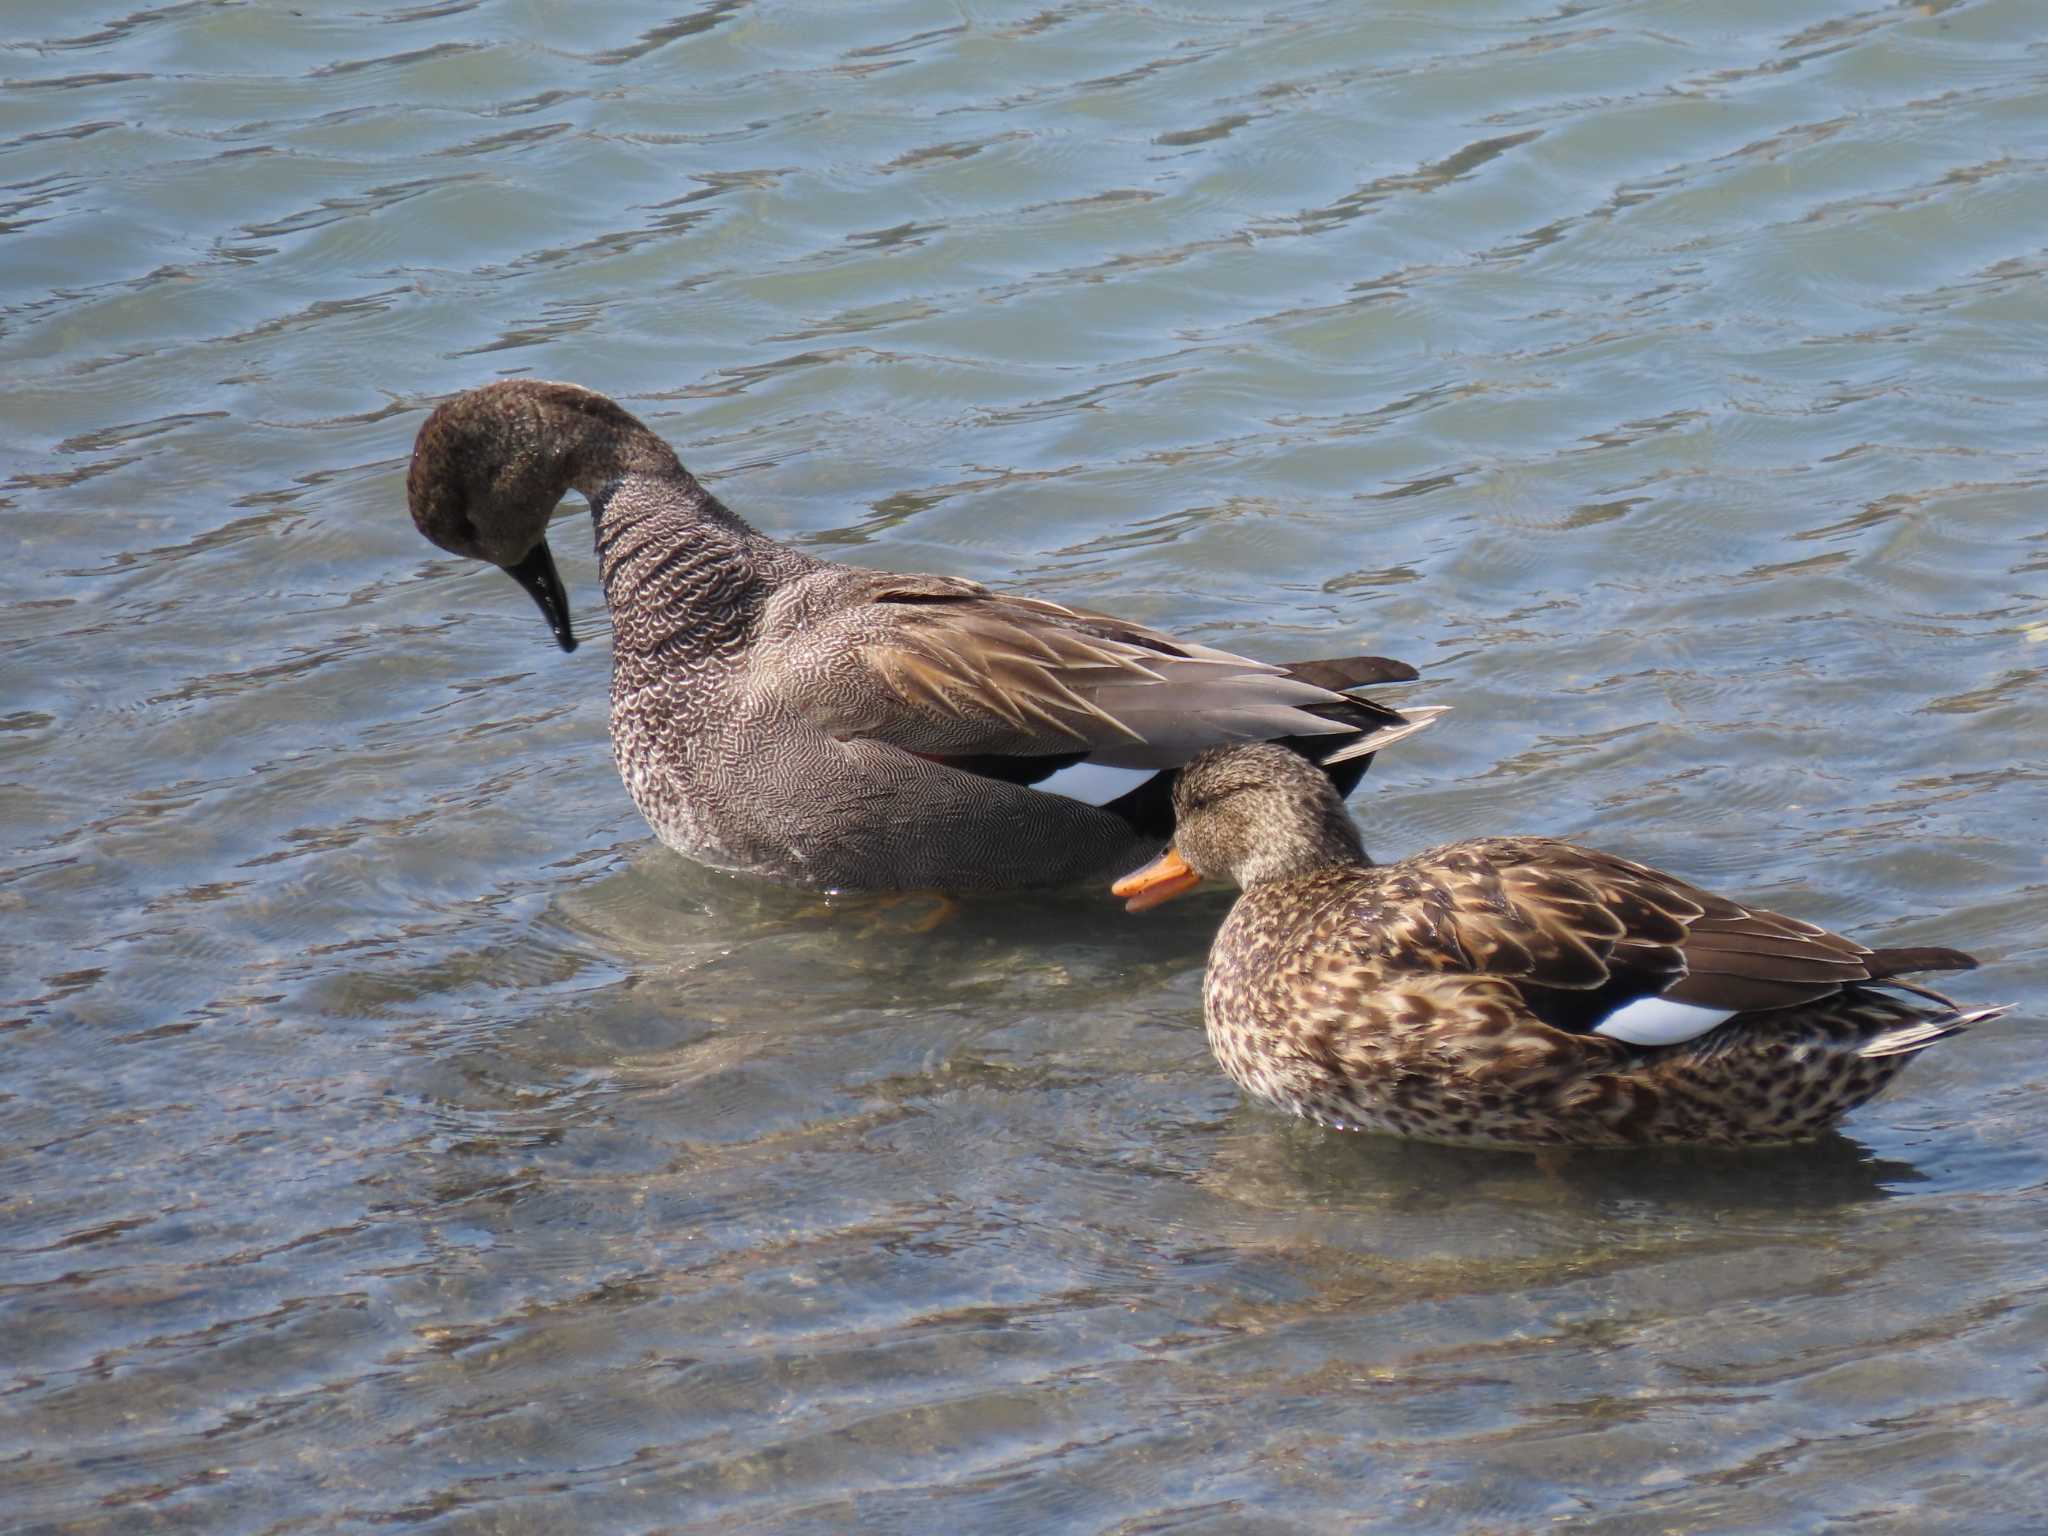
x=489 y=466
x=1247 y=814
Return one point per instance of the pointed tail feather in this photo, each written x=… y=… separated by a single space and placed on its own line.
x=1413 y=720
x=1910 y=1038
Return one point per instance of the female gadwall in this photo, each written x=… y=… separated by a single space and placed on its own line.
x=1518 y=990
x=823 y=725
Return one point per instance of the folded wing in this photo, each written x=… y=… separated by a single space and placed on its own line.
x=947 y=669
x=1599 y=945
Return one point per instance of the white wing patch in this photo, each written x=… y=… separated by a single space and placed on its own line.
x=1657 y=1021
x=1093 y=784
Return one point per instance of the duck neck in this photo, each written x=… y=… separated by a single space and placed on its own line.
x=683 y=576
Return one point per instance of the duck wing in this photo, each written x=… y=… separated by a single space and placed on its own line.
x=948 y=669
x=1599 y=945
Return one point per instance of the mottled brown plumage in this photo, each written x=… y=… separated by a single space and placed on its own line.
x=1458 y=996
x=825 y=725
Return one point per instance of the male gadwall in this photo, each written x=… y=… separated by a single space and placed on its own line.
x=823 y=725
x=1519 y=991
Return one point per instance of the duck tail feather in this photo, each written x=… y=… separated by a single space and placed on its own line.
x=1412 y=720
x=1911 y=1038
x=1341 y=674
x=1926 y=957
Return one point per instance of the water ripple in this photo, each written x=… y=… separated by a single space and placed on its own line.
x=394 y=1134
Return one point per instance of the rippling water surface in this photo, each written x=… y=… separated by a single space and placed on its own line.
x=394 y=1136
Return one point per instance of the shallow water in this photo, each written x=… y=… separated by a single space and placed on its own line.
x=394 y=1136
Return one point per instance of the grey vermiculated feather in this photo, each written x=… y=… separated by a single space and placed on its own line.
x=824 y=725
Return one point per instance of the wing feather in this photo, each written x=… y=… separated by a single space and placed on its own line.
x=948 y=669
x=1583 y=934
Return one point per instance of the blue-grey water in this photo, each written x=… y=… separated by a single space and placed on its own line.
x=392 y=1136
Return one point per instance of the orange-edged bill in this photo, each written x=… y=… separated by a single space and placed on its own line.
x=1163 y=879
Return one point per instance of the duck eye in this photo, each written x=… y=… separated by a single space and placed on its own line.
x=1210 y=799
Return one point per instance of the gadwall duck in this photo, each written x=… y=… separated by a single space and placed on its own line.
x=1520 y=991
x=822 y=725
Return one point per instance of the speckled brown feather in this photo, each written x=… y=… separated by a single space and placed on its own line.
x=778 y=714
x=1423 y=998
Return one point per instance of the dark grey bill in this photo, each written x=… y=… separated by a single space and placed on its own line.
x=538 y=575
